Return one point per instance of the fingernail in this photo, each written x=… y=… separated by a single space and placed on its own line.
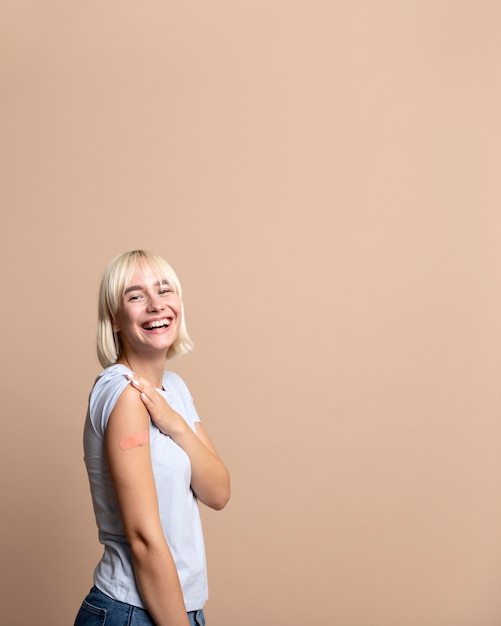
x=135 y=382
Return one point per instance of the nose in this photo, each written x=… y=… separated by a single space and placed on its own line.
x=155 y=303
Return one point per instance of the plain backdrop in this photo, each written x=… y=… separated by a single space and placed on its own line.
x=324 y=177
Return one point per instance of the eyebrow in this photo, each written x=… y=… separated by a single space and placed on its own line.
x=159 y=283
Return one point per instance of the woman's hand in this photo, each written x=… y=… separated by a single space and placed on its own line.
x=210 y=479
x=168 y=421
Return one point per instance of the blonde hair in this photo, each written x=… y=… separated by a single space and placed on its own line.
x=113 y=284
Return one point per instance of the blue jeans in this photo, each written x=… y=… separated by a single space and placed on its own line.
x=98 y=609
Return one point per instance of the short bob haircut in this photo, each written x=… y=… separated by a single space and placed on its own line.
x=115 y=279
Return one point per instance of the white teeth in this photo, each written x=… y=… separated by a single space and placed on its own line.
x=158 y=324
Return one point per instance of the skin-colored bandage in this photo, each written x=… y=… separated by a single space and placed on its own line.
x=134 y=441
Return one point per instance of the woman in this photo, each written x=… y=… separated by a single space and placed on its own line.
x=148 y=457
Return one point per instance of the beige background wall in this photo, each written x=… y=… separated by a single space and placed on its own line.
x=324 y=176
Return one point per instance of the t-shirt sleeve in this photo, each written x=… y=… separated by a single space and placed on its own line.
x=104 y=395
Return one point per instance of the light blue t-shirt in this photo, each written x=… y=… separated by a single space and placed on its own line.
x=179 y=514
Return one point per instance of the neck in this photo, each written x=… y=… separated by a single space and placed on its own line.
x=152 y=368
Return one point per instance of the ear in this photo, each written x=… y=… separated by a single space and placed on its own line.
x=115 y=327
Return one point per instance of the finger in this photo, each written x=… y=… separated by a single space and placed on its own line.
x=141 y=386
x=148 y=402
x=134 y=380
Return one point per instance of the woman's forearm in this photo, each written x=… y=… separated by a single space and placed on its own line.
x=210 y=479
x=158 y=583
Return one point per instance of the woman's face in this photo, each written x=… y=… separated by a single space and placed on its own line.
x=149 y=315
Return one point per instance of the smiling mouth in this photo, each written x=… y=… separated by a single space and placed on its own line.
x=157 y=324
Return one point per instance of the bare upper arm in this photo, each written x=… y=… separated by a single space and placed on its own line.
x=129 y=460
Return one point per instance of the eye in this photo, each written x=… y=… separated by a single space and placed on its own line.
x=164 y=291
x=133 y=298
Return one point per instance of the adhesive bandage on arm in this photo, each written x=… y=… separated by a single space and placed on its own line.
x=135 y=440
